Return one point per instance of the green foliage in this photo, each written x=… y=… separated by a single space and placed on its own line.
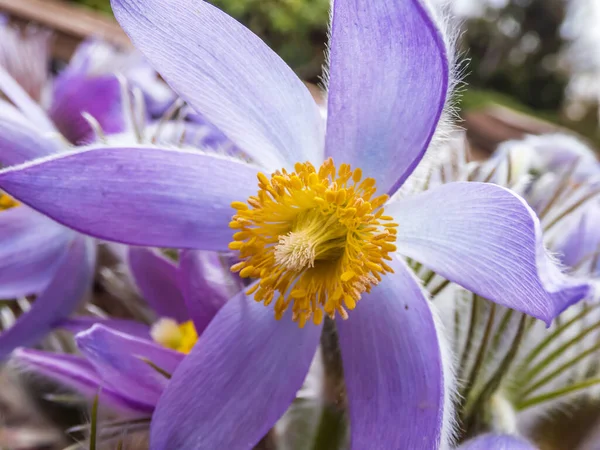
x=295 y=29
x=100 y=5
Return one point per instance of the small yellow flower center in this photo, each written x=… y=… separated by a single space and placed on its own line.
x=317 y=238
x=170 y=334
x=7 y=202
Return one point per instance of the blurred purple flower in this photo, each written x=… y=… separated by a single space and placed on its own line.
x=119 y=358
x=552 y=153
x=388 y=81
x=580 y=246
x=33 y=247
x=497 y=442
x=37 y=255
x=90 y=84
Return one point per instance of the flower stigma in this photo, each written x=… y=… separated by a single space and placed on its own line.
x=318 y=238
x=180 y=337
x=7 y=202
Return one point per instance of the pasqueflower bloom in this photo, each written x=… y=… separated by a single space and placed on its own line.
x=127 y=362
x=316 y=237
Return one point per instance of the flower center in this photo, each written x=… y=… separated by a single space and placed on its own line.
x=317 y=238
x=7 y=202
x=180 y=337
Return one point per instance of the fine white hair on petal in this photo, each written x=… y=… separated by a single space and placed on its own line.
x=450 y=29
x=324 y=80
x=449 y=430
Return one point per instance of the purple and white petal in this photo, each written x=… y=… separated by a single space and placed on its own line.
x=148 y=196
x=237 y=382
x=31 y=248
x=226 y=73
x=206 y=284
x=393 y=367
x=126 y=326
x=120 y=361
x=21 y=141
x=72 y=280
x=26 y=54
x=29 y=108
x=488 y=240
x=497 y=442
x=582 y=240
x=78 y=374
x=158 y=280
x=388 y=81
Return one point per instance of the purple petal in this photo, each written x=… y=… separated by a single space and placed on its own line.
x=26 y=54
x=206 y=284
x=119 y=360
x=78 y=374
x=229 y=75
x=487 y=239
x=125 y=326
x=147 y=196
x=31 y=247
x=393 y=367
x=21 y=142
x=237 y=382
x=497 y=442
x=30 y=109
x=583 y=240
x=387 y=87
x=157 y=279
x=75 y=94
x=72 y=280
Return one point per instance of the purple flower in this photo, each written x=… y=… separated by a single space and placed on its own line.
x=317 y=245
x=553 y=153
x=89 y=84
x=123 y=359
x=580 y=245
x=37 y=255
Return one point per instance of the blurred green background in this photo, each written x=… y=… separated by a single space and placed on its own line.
x=521 y=53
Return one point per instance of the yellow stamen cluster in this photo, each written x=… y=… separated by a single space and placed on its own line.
x=7 y=202
x=318 y=238
x=170 y=334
